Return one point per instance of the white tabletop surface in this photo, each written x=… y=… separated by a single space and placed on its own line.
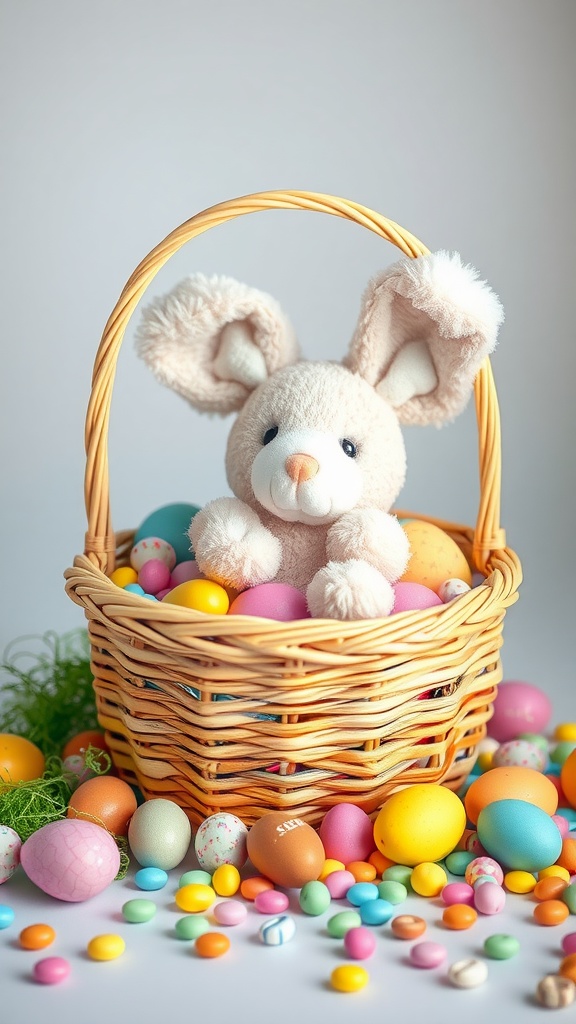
x=160 y=977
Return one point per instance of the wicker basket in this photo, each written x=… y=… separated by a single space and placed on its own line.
x=324 y=711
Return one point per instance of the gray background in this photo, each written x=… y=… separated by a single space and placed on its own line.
x=122 y=119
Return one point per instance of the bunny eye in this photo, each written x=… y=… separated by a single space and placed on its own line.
x=269 y=435
x=349 y=448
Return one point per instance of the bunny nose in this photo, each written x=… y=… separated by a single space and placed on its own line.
x=301 y=467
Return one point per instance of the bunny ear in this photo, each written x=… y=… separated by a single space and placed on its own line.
x=425 y=327
x=213 y=340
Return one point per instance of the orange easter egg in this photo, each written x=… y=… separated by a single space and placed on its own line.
x=435 y=557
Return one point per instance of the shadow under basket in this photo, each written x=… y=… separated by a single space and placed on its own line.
x=247 y=715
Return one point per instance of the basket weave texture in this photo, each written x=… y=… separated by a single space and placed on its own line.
x=247 y=715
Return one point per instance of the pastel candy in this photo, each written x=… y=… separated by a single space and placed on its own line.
x=276 y=931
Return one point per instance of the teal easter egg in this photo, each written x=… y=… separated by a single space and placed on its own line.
x=519 y=835
x=171 y=523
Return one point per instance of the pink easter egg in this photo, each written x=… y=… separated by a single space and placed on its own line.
x=347 y=833
x=70 y=859
x=154 y=576
x=185 y=571
x=517 y=708
x=271 y=601
x=411 y=597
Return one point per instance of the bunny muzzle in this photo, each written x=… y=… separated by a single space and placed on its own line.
x=306 y=476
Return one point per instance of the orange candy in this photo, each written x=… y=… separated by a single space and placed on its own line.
x=37 y=936
x=250 y=887
x=459 y=916
x=567 y=858
x=105 y=800
x=551 y=912
x=407 y=926
x=362 y=870
x=567 y=967
x=379 y=861
x=549 y=888
x=212 y=944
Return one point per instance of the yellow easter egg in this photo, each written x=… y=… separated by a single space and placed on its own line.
x=124 y=575
x=423 y=822
x=201 y=595
x=434 y=557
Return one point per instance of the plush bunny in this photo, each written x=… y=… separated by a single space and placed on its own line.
x=315 y=457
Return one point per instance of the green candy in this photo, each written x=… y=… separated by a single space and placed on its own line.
x=138 y=911
x=458 y=861
x=501 y=947
x=196 y=877
x=569 y=897
x=189 y=928
x=398 y=873
x=394 y=892
x=314 y=898
x=339 y=924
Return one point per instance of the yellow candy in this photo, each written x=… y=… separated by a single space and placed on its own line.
x=565 y=732
x=124 y=575
x=423 y=822
x=330 y=865
x=105 y=947
x=555 y=871
x=485 y=760
x=349 y=978
x=195 y=897
x=428 y=879
x=226 y=880
x=519 y=881
x=201 y=595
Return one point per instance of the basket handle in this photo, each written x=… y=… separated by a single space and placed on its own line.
x=100 y=540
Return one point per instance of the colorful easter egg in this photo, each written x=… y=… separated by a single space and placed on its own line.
x=171 y=522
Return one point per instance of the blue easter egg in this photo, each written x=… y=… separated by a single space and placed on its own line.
x=519 y=835
x=171 y=523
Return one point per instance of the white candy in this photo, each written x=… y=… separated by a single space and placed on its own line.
x=468 y=973
x=452 y=588
x=277 y=930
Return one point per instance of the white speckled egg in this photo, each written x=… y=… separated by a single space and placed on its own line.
x=520 y=753
x=152 y=547
x=452 y=588
x=10 y=846
x=159 y=834
x=221 y=839
x=70 y=859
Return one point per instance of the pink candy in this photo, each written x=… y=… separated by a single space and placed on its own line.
x=569 y=943
x=230 y=912
x=338 y=883
x=489 y=898
x=458 y=892
x=359 y=942
x=271 y=901
x=428 y=954
x=51 y=970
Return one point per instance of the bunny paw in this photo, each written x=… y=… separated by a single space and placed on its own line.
x=231 y=546
x=349 y=590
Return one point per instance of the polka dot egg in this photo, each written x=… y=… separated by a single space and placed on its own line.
x=520 y=753
x=221 y=839
x=152 y=547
